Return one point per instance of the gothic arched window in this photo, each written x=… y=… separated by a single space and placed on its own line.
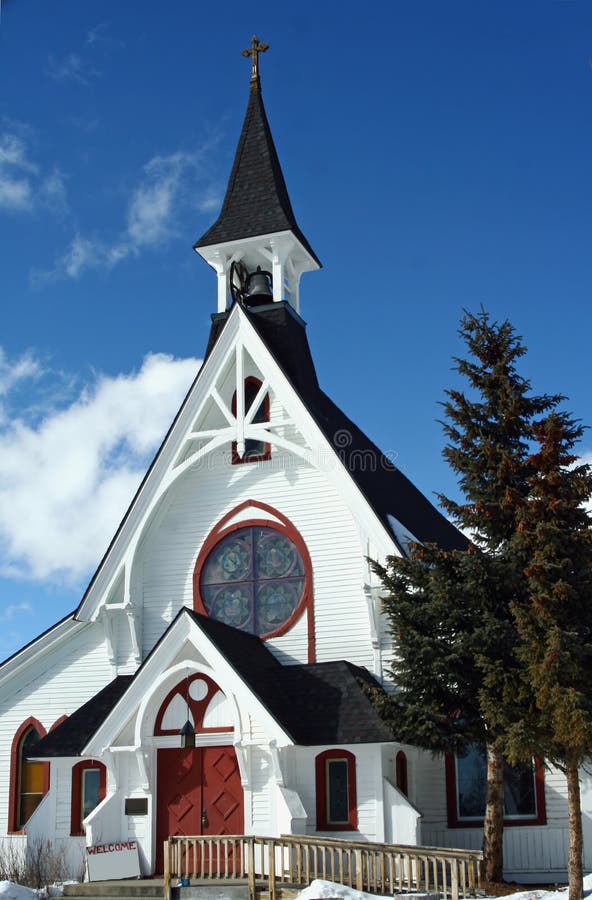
x=29 y=778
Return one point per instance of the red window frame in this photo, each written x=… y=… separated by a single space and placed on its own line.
x=454 y=821
x=260 y=457
x=76 y=826
x=280 y=523
x=14 y=796
x=321 y=784
x=401 y=772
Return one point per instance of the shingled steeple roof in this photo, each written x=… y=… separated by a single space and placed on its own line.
x=256 y=200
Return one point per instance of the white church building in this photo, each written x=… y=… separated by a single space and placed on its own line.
x=235 y=610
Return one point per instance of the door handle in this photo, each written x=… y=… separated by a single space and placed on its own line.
x=204 y=818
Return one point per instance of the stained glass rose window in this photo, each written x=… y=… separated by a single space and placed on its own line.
x=253 y=579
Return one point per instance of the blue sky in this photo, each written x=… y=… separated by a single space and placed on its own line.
x=437 y=156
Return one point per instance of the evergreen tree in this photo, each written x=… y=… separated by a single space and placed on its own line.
x=449 y=631
x=489 y=432
x=450 y=612
x=554 y=619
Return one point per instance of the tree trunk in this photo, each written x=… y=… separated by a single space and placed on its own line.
x=493 y=825
x=574 y=863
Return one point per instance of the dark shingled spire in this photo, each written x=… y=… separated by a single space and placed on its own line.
x=256 y=200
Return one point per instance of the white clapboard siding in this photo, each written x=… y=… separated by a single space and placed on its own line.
x=61 y=781
x=262 y=785
x=368 y=771
x=527 y=848
x=53 y=686
x=167 y=555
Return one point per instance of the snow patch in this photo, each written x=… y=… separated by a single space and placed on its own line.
x=323 y=890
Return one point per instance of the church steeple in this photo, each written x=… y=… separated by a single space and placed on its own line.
x=256 y=226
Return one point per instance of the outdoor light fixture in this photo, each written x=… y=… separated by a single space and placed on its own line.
x=187 y=735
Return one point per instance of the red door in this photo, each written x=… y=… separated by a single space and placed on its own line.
x=198 y=792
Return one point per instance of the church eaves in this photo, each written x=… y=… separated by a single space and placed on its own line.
x=256 y=201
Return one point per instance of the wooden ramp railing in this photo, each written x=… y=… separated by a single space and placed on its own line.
x=267 y=863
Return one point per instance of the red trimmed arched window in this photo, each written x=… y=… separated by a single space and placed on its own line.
x=255 y=574
x=335 y=779
x=255 y=451
x=89 y=787
x=29 y=778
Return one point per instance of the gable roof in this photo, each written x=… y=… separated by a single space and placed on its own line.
x=69 y=738
x=316 y=704
x=388 y=491
x=256 y=200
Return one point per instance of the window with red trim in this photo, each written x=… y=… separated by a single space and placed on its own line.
x=401 y=772
x=466 y=785
x=255 y=451
x=29 y=778
x=335 y=779
x=254 y=575
x=89 y=785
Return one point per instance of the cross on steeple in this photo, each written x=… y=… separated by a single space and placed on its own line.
x=256 y=48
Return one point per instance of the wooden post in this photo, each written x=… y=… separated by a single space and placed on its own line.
x=271 y=847
x=251 y=867
x=167 y=872
x=359 y=870
x=454 y=878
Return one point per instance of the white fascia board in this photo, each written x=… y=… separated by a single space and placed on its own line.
x=214 y=252
x=335 y=471
x=134 y=517
x=38 y=647
x=184 y=628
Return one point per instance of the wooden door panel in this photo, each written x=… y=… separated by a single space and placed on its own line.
x=199 y=792
x=179 y=796
x=222 y=791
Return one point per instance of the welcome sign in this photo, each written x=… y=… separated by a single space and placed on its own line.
x=118 y=859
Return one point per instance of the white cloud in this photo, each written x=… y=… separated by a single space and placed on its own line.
x=166 y=189
x=72 y=67
x=53 y=192
x=152 y=206
x=23 y=187
x=13 y=609
x=16 y=169
x=67 y=478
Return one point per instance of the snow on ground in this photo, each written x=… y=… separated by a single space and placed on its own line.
x=11 y=891
x=317 y=890
x=323 y=890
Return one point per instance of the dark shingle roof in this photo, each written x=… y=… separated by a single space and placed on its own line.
x=319 y=703
x=69 y=738
x=315 y=704
x=256 y=200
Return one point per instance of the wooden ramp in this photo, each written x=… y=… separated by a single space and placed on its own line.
x=276 y=864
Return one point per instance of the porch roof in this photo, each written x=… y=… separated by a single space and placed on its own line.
x=315 y=704
x=70 y=737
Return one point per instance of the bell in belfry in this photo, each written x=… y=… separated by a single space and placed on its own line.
x=258 y=289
